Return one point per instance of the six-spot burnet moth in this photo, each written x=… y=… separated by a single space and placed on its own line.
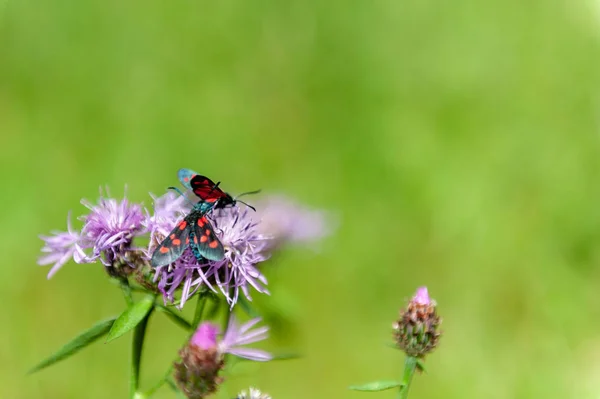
x=195 y=229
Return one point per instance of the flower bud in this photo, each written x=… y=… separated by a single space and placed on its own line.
x=197 y=375
x=417 y=331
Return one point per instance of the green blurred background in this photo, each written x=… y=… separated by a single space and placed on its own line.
x=457 y=141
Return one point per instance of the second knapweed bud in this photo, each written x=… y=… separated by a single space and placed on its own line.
x=417 y=331
x=197 y=375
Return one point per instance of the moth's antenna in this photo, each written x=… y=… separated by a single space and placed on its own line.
x=248 y=192
x=248 y=205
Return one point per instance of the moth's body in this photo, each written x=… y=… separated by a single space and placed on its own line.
x=194 y=231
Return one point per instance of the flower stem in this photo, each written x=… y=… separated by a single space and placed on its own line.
x=126 y=288
x=136 y=354
x=200 y=304
x=410 y=365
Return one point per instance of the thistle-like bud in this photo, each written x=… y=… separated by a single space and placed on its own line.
x=417 y=332
x=197 y=375
x=202 y=359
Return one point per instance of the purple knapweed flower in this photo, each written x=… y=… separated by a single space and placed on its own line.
x=205 y=336
x=244 y=249
x=111 y=226
x=422 y=296
x=289 y=222
x=203 y=358
x=62 y=247
x=237 y=335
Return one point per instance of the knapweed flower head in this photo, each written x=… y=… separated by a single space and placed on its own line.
x=107 y=235
x=286 y=221
x=417 y=331
x=203 y=358
x=61 y=247
x=110 y=228
x=244 y=248
x=253 y=393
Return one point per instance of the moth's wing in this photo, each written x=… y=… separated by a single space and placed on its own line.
x=206 y=240
x=206 y=189
x=172 y=246
x=185 y=176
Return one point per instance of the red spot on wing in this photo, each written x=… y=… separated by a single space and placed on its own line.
x=163 y=250
x=186 y=179
x=177 y=242
x=203 y=239
x=195 y=240
x=207 y=232
x=202 y=221
x=187 y=240
x=172 y=236
x=182 y=225
x=214 y=244
x=211 y=199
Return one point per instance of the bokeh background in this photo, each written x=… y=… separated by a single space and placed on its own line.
x=458 y=142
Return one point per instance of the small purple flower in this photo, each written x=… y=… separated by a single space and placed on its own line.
x=61 y=247
x=244 y=249
x=203 y=358
x=287 y=221
x=205 y=336
x=237 y=335
x=422 y=296
x=111 y=226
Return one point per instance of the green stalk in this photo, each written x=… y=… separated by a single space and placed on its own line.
x=198 y=313
x=410 y=365
x=136 y=354
x=126 y=288
x=200 y=305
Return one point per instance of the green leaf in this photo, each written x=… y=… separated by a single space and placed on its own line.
x=136 y=353
x=376 y=386
x=421 y=366
x=177 y=319
x=130 y=318
x=75 y=345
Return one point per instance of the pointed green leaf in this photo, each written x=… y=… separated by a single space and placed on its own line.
x=421 y=366
x=136 y=353
x=130 y=318
x=75 y=345
x=376 y=386
x=177 y=319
